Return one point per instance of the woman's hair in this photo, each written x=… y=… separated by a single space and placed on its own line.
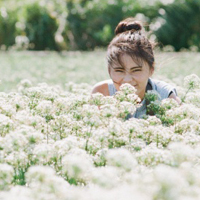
x=130 y=39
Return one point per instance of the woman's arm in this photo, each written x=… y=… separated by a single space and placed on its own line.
x=173 y=96
x=101 y=87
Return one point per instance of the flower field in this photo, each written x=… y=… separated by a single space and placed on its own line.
x=64 y=143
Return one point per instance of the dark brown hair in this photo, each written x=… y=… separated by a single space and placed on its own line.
x=130 y=39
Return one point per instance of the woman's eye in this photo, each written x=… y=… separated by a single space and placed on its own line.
x=137 y=70
x=119 y=71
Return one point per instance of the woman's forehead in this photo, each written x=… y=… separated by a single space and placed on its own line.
x=126 y=60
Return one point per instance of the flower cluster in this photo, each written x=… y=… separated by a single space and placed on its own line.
x=192 y=82
x=57 y=144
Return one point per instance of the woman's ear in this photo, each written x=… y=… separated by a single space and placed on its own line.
x=109 y=70
x=151 y=71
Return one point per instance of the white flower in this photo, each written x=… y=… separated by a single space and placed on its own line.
x=39 y=174
x=7 y=109
x=100 y=157
x=110 y=100
x=120 y=96
x=171 y=182
x=19 y=102
x=50 y=95
x=101 y=136
x=42 y=153
x=6 y=175
x=115 y=127
x=189 y=172
x=126 y=107
x=133 y=98
x=77 y=167
x=107 y=177
x=127 y=93
x=3 y=95
x=90 y=110
x=169 y=103
x=92 y=146
x=97 y=99
x=33 y=136
x=152 y=156
x=43 y=180
x=193 y=98
x=33 y=92
x=108 y=110
x=60 y=122
x=190 y=138
x=93 y=121
x=121 y=158
x=127 y=88
x=153 y=120
x=187 y=125
x=61 y=147
x=18 y=193
x=124 y=191
x=192 y=82
x=181 y=153
x=72 y=142
x=183 y=112
x=158 y=134
x=134 y=128
x=6 y=124
x=15 y=142
x=62 y=104
x=18 y=159
x=25 y=83
x=44 y=107
x=138 y=144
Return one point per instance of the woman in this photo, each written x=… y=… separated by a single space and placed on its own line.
x=131 y=60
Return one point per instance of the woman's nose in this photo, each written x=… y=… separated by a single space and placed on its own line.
x=127 y=78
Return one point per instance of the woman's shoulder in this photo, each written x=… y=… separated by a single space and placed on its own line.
x=102 y=87
x=163 y=88
x=159 y=83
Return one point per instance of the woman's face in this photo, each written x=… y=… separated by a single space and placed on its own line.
x=131 y=72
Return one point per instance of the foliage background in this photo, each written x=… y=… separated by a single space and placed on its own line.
x=89 y=24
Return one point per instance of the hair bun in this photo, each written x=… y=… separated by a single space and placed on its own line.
x=128 y=25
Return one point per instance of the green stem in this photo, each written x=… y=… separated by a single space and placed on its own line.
x=183 y=99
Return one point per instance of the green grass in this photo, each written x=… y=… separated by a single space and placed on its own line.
x=175 y=66
x=87 y=67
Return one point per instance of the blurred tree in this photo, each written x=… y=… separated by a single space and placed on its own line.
x=181 y=24
x=40 y=27
x=87 y=24
x=92 y=23
x=8 y=19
